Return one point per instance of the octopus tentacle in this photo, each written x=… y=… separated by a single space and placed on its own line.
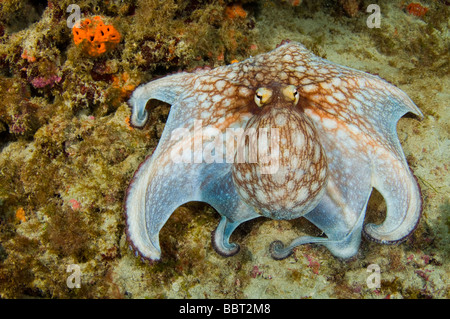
x=220 y=238
x=342 y=247
x=358 y=120
x=157 y=200
x=394 y=180
x=166 y=89
x=340 y=213
x=160 y=185
x=173 y=185
x=221 y=194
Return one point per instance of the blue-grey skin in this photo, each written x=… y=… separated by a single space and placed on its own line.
x=351 y=115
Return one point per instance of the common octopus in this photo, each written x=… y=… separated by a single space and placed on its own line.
x=332 y=132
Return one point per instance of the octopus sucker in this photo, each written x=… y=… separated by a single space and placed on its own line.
x=325 y=137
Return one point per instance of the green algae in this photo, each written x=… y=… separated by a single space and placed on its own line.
x=67 y=153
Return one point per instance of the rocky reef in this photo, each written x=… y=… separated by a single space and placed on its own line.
x=67 y=151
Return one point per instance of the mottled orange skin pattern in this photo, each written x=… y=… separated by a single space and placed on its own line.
x=337 y=141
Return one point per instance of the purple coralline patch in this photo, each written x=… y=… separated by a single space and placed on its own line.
x=41 y=82
x=18 y=125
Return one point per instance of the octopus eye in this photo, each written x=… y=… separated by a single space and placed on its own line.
x=290 y=92
x=262 y=96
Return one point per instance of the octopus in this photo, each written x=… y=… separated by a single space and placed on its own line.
x=281 y=135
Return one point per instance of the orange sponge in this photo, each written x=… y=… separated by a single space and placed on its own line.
x=235 y=11
x=94 y=37
x=416 y=9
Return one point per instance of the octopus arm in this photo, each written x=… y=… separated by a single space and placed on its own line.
x=221 y=194
x=154 y=193
x=365 y=128
x=355 y=167
x=159 y=186
x=167 y=89
x=157 y=190
x=172 y=176
x=356 y=115
x=364 y=152
x=395 y=181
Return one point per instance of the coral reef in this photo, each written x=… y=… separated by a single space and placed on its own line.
x=67 y=153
